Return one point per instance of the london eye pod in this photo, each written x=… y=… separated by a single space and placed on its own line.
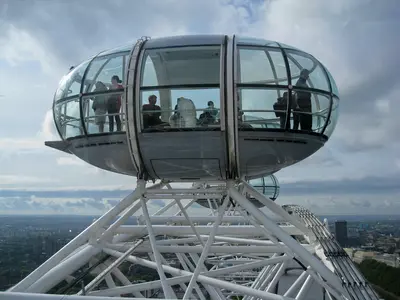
x=210 y=107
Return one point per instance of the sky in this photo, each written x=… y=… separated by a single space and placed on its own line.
x=356 y=172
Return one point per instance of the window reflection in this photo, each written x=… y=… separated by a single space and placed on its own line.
x=103 y=68
x=316 y=76
x=267 y=109
x=180 y=88
x=333 y=83
x=180 y=108
x=267 y=186
x=309 y=111
x=334 y=117
x=262 y=66
x=67 y=118
x=181 y=66
x=288 y=46
x=103 y=113
x=254 y=41
x=262 y=108
x=70 y=84
x=124 y=49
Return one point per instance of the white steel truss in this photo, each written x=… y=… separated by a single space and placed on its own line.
x=242 y=246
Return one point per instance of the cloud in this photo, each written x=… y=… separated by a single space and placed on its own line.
x=20 y=179
x=70 y=161
x=48 y=130
x=20 y=46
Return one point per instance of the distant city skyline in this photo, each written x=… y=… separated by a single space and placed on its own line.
x=322 y=199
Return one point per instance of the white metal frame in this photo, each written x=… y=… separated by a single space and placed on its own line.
x=236 y=249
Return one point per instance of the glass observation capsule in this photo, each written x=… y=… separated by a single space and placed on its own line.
x=196 y=107
x=267 y=186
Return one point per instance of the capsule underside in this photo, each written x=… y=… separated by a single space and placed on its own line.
x=267 y=113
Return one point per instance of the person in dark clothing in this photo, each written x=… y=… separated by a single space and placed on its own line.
x=304 y=104
x=99 y=106
x=114 y=105
x=151 y=113
x=280 y=109
x=209 y=116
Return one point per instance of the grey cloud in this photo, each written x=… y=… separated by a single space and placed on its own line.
x=95 y=204
x=98 y=194
x=112 y=202
x=84 y=28
x=372 y=185
x=360 y=203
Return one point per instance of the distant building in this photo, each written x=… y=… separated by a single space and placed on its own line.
x=341 y=232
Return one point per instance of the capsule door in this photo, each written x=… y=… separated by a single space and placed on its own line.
x=178 y=117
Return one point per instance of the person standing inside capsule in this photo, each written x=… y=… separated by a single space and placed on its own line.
x=99 y=106
x=114 y=104
x=303 y=99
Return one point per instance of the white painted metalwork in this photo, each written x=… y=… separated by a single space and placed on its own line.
x=232 y=249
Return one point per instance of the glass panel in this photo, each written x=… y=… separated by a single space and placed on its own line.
x=334 y=117
x=103 y=69
x=180 y=108
x=262 y=66
x=262 y=108
x=333 y=83
x=181 y=66
x=310 y=111
x=67 y=117
x=313 y=75
x=266 y=186
x=70 y=84
x=258 y=184
x=255 y=41
x=149 y=76
x=280 y=67
x=125 y=48
x=288 y=46
x=104 y=113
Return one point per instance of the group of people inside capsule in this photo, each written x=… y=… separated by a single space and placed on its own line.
x=107 y=105
x=184 y=114
x=300 y=105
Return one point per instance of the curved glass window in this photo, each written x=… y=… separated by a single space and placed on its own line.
x=287 y=46
x=333 y=83
x=189 y=108
x=267 y=186
x=306 y=71
x=70 y=84
x=103 y=69
x=262 y=108
x=67 y=118
x=309 y=111
x=334 y=117
x=181 y=66
x=254 y=41
x=262 y=66
x=180 y=88
x=104 y=113
x=125 y=48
